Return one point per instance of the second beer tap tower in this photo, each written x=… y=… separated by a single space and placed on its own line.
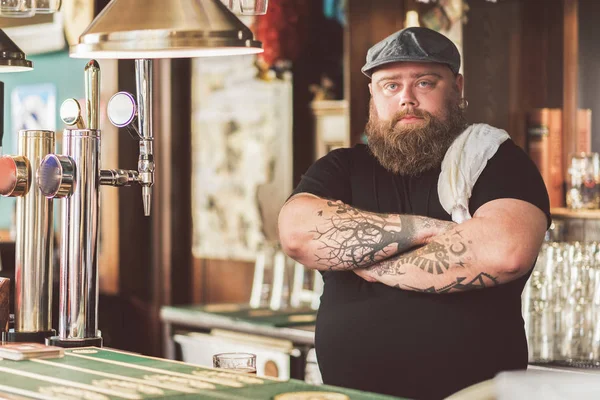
x=76 y=177
x=34 y=234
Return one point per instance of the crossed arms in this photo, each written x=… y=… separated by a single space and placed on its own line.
x=499 y=244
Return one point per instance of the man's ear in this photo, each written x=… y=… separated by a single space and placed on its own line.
x=370 y=89
x=460 y=83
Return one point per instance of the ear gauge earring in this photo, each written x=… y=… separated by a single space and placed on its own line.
x=463 y=104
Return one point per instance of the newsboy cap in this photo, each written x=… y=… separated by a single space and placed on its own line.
x=413 y=44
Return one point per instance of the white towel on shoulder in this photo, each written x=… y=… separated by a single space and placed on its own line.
x=463 y=163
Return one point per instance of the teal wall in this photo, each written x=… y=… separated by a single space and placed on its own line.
x=66 y=74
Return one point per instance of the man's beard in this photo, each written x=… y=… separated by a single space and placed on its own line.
x=414 y=148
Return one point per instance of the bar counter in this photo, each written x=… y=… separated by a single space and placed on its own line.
x=103 y=374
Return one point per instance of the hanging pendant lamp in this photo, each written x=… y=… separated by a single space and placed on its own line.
x=147 y=29
x=12 y=58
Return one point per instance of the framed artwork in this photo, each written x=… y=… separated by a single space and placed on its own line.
x=241 y=157
x=447 y=18
x=33 y=107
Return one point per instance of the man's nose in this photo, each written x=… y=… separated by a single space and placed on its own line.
x=408 y=99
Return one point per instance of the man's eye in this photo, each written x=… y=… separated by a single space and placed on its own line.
x=391 y=86
x=425 y=84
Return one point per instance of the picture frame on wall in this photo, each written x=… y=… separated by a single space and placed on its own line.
x=32 y=107
x=241 y=157
x=447 y=17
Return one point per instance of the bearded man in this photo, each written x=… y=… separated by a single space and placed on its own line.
x=415 y=305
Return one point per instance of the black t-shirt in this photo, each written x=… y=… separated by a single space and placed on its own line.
x=381 y=339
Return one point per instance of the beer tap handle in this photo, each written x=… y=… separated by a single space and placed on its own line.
x=56 y=176
x=15 y=176
x=70 y=114
x=143 y=74
x=122 y=113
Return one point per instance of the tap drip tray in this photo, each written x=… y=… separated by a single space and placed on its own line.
x=71 y=343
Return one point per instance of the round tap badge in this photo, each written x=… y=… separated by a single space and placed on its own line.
x=311 y=396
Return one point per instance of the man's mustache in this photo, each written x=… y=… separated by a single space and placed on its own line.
x=415 y=112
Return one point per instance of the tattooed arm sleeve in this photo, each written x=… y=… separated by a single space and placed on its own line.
x=497 y=246
x=330 y=235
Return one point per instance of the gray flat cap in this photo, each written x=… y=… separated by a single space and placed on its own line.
x=413 y=44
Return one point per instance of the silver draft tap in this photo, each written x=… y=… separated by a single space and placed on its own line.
x=123 y=112
x=143 y=75
x=74 y=177
x=34 y=244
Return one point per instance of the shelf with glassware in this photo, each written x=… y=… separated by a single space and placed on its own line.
x=561 y=300
x=561 y=306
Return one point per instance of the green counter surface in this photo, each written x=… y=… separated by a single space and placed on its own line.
x=241 y=312
x=99 y=374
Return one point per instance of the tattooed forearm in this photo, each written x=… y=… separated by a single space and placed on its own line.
x=461 y=284
x=434 y=258
x=495 y=247
x=445 y=265
x=351 y=238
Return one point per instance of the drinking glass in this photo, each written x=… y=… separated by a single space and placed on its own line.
x=47 y=6
x=583 y=191
x=577 y=312
x=542 y=328
x=236 y=362
x=254 y=7
x=595 y=350
x=559 y=265
x=17 y=8
x=538 y=310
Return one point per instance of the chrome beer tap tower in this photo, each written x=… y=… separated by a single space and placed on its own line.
x=76 y=177
x=34 y=236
